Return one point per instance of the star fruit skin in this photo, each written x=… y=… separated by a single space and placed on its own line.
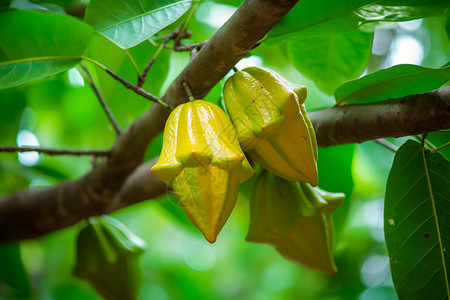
x=107 y=255
x=202 y=161
x=294 y=218
x=272 y=124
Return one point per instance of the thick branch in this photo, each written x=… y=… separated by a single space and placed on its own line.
x=401 y=117
x=122 y=179
x=32 y=213
x=413 y=114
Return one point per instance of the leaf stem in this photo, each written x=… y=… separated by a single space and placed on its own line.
x=422 y=139
x=188 y=20
x=428 y=143
x=51 y=151
x=441 y=147
x=141 y=78
x=95 y=62
x=386 y=144
x=436 y=220
x=188 y=91
x=133 y=62
x=101 y=99
x=138 y=90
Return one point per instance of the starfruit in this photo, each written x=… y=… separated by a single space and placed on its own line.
x=202 y=161
x=294 y=218
x=107 y=256
x=271 y=123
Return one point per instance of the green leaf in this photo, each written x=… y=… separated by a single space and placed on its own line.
x=417 y=223
x=393 y=82
x=36 y=45
x=12 y=271
x=311 y=18
x=331 y=60
x=49 y=171
x=130 y=22
x=447 y=25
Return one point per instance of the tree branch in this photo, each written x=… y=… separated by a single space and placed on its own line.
x=35 y=212
x=137 y=89
x=122 y=179
x=170 y=36
x=101 y=100
x=51 y=151
x=356 y=123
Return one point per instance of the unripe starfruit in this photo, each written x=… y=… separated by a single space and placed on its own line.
x=272 y=124
x=107 y=256
x=202 y=161
x=295 y=219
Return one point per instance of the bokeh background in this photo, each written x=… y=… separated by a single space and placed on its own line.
x=63 y=112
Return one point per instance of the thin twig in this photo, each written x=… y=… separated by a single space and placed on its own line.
x=190 y=47
x=171 y=36
x=132 y=61
x=422 y=139
x=51 y=151
x=136 y=89
x=441 y=147
x=141 y=78
x=429 y=144
x=101 y=100
x=185 y=24
x=128 y=85
x=386 y=144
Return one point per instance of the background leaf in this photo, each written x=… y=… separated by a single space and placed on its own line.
x=393 y=82
x=36 y=45
x=130 y=22
x=331 y=60
x=311 y=18
x=417 y=223
x=12 y=271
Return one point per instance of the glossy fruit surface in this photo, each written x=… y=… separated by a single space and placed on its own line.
x=202 y=161
x=272 y=124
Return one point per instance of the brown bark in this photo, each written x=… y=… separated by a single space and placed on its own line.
x=35 y=212
x=122 y=179
x=413 y=114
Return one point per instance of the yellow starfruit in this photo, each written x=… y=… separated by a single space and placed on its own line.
x=295 y=219
x=202 y=161
x=271 y=122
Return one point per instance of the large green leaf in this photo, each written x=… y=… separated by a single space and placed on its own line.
x=447 y=24
x=35 y=45
x=393 y=82
x=331 y=60
x=130 y=22
x=417 y=223
x=12 y=271
x=311 y=18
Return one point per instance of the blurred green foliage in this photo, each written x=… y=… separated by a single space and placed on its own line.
x=63 y=112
